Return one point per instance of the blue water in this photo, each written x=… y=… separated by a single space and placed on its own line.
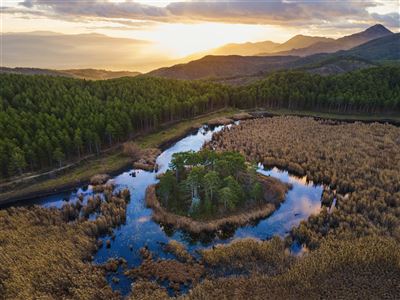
x=139 y=231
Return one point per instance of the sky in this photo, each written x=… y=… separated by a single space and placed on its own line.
x=168 y=30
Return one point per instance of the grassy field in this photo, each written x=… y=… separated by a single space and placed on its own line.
x=110 y=162
x=355 y=117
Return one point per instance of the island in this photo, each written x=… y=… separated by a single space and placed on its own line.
x=210 y=191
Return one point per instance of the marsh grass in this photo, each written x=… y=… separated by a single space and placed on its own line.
x=363 y=268
x=359 y=159
x=46 y=253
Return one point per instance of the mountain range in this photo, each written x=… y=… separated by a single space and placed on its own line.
x=357 y=51
x=233 y=63
x=299 y=45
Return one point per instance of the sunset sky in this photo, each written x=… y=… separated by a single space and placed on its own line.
x=174 y=29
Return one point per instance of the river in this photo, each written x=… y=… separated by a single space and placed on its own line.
x=301 y=201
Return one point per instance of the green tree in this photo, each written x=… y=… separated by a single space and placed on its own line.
x=235 y=187
x=194 y=180
x=226 y=196
x=212 y=183
x=59 y=156
x=18 y=162
x=257 y=192
x=167 y=187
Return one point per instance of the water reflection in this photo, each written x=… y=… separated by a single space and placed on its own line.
x=139 y=231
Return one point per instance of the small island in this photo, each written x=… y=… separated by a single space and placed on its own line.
x=207 y=191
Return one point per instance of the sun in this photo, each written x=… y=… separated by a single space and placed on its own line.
x=184 y=39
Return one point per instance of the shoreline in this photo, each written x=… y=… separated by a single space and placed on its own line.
x=163 y=216
x=161 y=142
x=163 y=137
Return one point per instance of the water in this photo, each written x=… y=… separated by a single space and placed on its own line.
x=139 y=231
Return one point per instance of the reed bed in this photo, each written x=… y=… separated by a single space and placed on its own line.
x=359 y=159
x=362 y=268
x=147 y=160
x=46 y=253
x=174 y=272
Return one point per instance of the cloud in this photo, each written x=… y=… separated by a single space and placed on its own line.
x=64 y=51
x=271 y=12
x=390 y=19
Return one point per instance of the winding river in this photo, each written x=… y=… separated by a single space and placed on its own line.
x=301 y=201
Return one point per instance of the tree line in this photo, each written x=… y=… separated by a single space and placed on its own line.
x=373 y=90
x=46 y=121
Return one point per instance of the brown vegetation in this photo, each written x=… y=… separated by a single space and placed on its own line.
x=132 y=150
x=363 y=268
x=242 y=116
x=99 y=179
x=276 y=194
x=46 y=253
x=147 y=161
x=360 y=159
x=246 y=256
x=147 y=290
x=178 y=250
x=175 y=272
x=219 y=121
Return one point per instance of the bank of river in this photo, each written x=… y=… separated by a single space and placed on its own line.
x=140 y=230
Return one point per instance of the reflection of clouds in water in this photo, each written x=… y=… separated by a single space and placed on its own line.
x=306 y=205
x=143 y=219
x=298 y=180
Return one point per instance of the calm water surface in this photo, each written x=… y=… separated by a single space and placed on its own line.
x=301 y=201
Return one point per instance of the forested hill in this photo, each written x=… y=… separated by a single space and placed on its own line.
x=370 y=90
x=46 y=120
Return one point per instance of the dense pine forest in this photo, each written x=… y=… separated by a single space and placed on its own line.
x=371 y=91
x=46 y=121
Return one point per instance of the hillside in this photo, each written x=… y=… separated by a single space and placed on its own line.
x=331 y=45
x=385 y=48
x=91 y=74
x=235 y=69
x=300 y=41
x=224 y=66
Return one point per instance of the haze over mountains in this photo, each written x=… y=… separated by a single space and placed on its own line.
x=90 y=74
x=52 y=50
x=330 y=45
x=300 y=45
x=310 y=53
x=360 y=50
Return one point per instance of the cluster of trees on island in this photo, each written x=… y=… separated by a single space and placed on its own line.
x=206 y=183
x=46 y=121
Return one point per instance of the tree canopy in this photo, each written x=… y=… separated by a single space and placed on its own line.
x=46 y=121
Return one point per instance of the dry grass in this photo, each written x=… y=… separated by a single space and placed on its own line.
x=362 y=159
x=246 y=256
x=147 y=161
x=173 y=271
x=178 y=250
x=146 y=290
x=99 y=179
x=365 y=268
x=242 y=116
x=46 y=253
x=132 y=150
x=219 y=121
x=41 y=256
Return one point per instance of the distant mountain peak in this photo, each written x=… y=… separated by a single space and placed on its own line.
x=378 y=28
